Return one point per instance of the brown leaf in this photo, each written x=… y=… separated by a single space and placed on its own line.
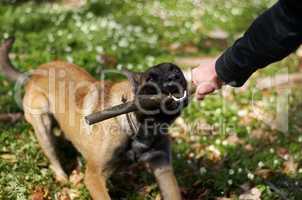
x=233 y=139
x=290 y=166
x=108 y=60
x=39 y=193
x=76 y=177
x=37 y=196
x=213 y=153
x=8 y=157
x=263 y=135
x=248 y=147
x=253 y=194
x=264 y=173
x=282 y=152
x=63 y=194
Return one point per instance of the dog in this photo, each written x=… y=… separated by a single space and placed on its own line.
x=63 y=93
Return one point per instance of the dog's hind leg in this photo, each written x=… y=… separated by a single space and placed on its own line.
x=36 y=113
x=42 y=127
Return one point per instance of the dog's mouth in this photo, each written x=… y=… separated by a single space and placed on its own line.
x=171 y=90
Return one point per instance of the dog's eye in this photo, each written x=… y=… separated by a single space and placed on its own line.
x=152 y=77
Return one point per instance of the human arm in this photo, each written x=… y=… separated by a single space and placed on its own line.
x=271 y=37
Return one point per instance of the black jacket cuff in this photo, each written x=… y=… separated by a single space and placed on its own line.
x=229 y=72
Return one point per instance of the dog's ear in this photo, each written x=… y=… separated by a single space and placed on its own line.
x=135 y=78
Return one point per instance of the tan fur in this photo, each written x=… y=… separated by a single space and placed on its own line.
x=68 y=93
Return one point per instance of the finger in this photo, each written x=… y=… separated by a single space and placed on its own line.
x=199 y=97
x=204 y=89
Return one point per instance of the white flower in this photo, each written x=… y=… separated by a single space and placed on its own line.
x=69 y=59
x=260 y=164
x=202 y=170
x=230 y=182
x=286 y=157
x=60 y=33
x=224 y=142
x=50 y=38
x=89 y=15
x=5 y=35
x=218 y=141
x=69 y=36
x=231 y=172
x=68 y=49
x=123 y=42
x=250 y=176
x=119 y=66
x=242 y=113
x=191 y=155
x=99 y=49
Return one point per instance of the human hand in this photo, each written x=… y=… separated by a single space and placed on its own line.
x=205 y=78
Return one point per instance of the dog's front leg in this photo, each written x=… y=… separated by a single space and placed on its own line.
x=167 y=182
x=95 y=181
x=159 y=161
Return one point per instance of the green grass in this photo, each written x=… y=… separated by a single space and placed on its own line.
x=137 y=35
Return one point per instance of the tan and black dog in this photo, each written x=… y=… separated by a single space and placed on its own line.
x=64 y=93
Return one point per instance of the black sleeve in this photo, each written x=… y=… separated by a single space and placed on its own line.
x=271 y=37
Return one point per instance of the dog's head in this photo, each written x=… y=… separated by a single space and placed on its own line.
x=164 y=78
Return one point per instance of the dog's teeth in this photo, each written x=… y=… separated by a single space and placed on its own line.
x=181 y=98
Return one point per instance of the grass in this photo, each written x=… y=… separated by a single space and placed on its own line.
x=227 y=153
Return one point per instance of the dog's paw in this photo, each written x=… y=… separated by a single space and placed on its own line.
x=61 y=179
x=60 y=175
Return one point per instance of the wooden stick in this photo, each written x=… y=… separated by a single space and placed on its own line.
x=147 y=102
x=111 y=112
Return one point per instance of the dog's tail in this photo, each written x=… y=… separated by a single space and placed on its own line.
x=6 y=67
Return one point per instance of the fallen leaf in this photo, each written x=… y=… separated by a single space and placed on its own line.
x=248 y=147
x=8 y=157
x=76 y=177
x=290 y=166
x=263 y=135
x=213 y=153
x=107 y=60
x=39 y=193
x=233 y=139
x=264 y=173
x=282 y=152
x=63 y=194
x=253 y=194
